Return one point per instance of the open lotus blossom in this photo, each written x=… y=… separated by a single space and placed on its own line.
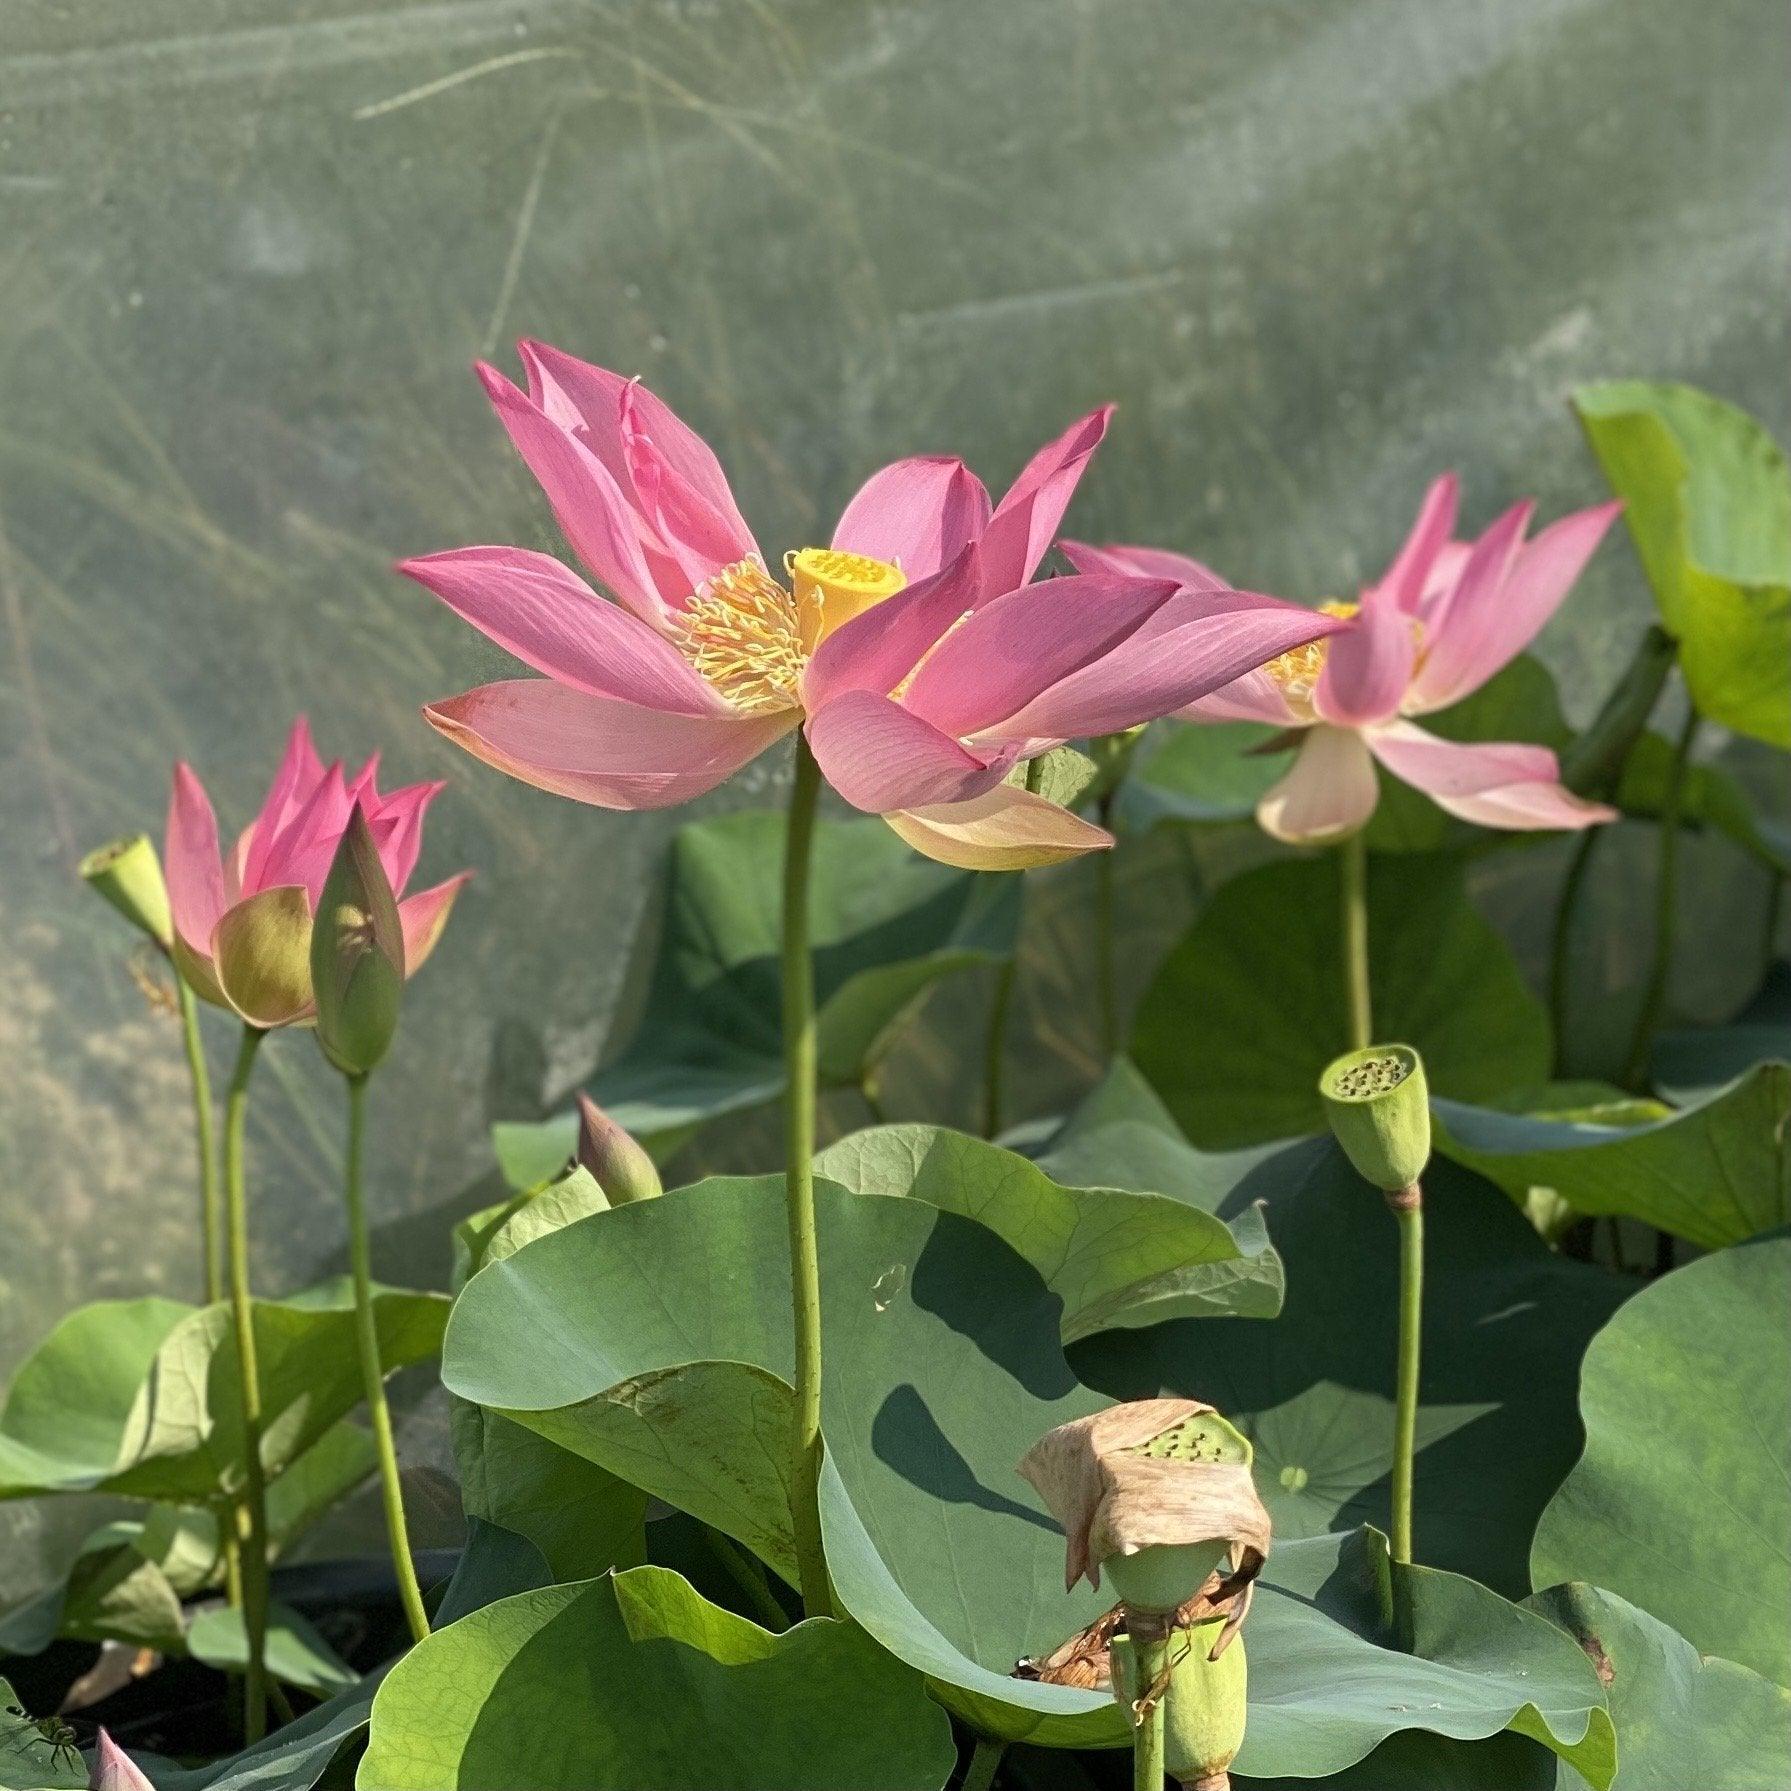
x=242 y=924
x=1444 y=617
x=922 y=663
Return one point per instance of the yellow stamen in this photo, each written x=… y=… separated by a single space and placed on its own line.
x=833 y=586
x=1297 y=670
x=742 y=632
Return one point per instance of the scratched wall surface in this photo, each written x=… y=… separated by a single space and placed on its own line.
x=248 y=248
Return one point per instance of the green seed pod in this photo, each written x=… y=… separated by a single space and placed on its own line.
x=129 y=875
x=357 y=955
x=615 y=1158
x=1379 y=1108
x=1204 y=1706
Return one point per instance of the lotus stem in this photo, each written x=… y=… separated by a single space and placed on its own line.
x=252 y=1509
x=1150 y=1645
x=1561 y=942
x=1666 y=895
x=211 y=1195
x=1106 y=977
x=1352 y=864
x=996 y=1048
x=746 y=1573
x=799 y=1186
x=985 y=1761
x=1408 y=1209
x=366 y=1333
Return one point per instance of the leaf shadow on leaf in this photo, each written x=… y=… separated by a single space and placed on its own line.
x=906 y=1437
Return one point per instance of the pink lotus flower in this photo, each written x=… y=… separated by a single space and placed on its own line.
x=242 y=925
x=115 y=1770
x=912 y=648
x=1444 y=617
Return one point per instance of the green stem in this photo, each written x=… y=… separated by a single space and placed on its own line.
x=799 y=1186
x=252 y=1509
x=749 y=1576
x=1147 y=1730
x=1352 y=864
x=985 y=1762
x=366 y=1332
x=1654 y=992
x=1408 y=1209
x=1106 y=978
x=995 y=1048
x=1561 y=944
x=211 y=1195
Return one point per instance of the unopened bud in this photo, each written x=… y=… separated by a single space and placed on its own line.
x=129 y=875
x=1204 y=1703
x=357 y=955
x=1379 y=1108
x=616 y=1159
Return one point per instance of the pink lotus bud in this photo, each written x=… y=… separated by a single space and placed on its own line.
x=617 y=1161
x=357 y=955
x=115 y=1770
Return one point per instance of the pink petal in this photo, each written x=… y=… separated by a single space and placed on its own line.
x=396 y=822
x=604 y=528
x=1451 y=643
x=599 y=750
x=880 y=755
x=299 y=773
x=191 y=864
x=423 y=916
x=1329 y=792
x=589 y=399
x=1482 y=631
x=1253 y=697
x=1494 y=783
x=1026 y=519
x=879 y=647
x=1143 y=562
x=1369 y=664
x=115 y=1770
x=918 y=514
x=1006 y=829
x=553 y=621
x=1407 y=579
x=1192 y=646
x=1024 y=642
x=302 y=853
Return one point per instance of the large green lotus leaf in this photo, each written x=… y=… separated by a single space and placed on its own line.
x=29 y=1761
x=294 y=1758
x=1506 y=1322
x=1681 y=1502
x=635 y=1683
x=886 y=925
x=1707 y=497
x=1713 y=1174
x=138 y=1397
x=1115 y=1257
x=296 y=1653
x=115 y=1590
x=1689 y=1063
x=1217 y=772
x=1248 y=1008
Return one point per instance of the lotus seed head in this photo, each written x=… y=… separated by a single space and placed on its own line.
x=1204 y=1437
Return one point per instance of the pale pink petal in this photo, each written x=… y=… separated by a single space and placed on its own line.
x=1408 y=578
x=191 y=864
x=1143 y=562
x=598 y=750
x=918 y=514
x=880 y=646
x=301 y=856
x=1024 y=642
x=423 y=916
x=1329 y=792
x=552 y=620
x=589 y=400
x=1368 y=665
x=604 y=528
x=1007 y=829
x=396 y=822
x=1190 y=647
x=1494 y=783
x=1482 y=631
x=1447 y=667
x=1025 y=521
x=880 y=755
x=1254 y=697
x=297 y=776
x=115 y=1770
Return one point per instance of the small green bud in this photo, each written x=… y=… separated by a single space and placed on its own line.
x=1379 y=1108
x=615 y=1158
x=1204 y=1708
x=129 y=875
x=357 y=955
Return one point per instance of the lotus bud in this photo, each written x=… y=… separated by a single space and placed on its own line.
x=129 y=875
x=357 y=955
x=1379 y=1109
x=1159 y=1494
x=1204 y=1707
x=617 y=1161
x=115 y=1770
